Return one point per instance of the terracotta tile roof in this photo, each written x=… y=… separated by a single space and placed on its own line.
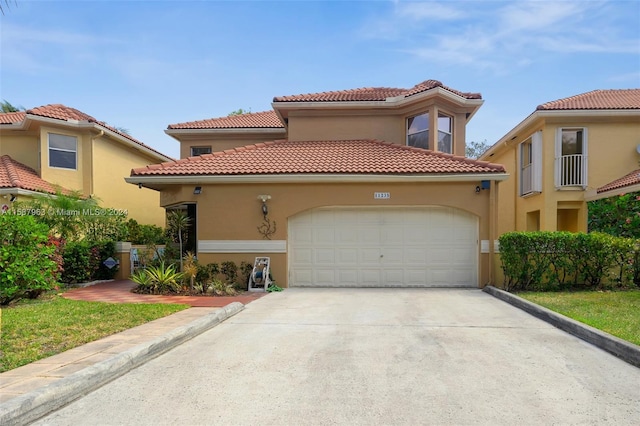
x=16 y=175
x=65 y=113
x=255 y=120
x=597 y=99
x=632 y=178
x=372 y=93
x=11 y=117
x=321 y=157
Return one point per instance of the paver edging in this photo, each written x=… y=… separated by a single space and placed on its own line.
x=34 y=405
x=622 y=349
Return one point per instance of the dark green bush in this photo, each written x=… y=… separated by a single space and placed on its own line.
x=230 y=270
x=618 y=216
x=78 y=263
x=106 y=249
x=26 y=266
x=145 y=234
x=561 y=260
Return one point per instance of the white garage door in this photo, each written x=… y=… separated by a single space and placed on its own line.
x=383 y=247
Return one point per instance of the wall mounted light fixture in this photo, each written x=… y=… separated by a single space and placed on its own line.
x=12 y=198
x=264 y=199
x=197 y=190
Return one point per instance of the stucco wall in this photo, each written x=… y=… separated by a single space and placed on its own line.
x=221 y=142
x=232 y=211
x=111 y=164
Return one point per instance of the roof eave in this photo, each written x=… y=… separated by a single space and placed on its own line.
x=154 y=182
x=593 y=195
x=542 y=114
x=229 y=130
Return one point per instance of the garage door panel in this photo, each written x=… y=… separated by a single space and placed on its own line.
x=324 y=256
x=386 y=247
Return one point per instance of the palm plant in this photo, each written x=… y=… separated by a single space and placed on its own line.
x=177 y=223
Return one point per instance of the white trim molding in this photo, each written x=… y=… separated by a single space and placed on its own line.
x=242 y=246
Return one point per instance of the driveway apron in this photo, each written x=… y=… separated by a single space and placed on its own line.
x=372 y=356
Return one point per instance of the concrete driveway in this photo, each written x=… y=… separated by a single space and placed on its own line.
x=372 y=356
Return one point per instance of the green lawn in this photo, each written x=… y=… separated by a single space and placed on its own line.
x=41 y=328
x=615 y=312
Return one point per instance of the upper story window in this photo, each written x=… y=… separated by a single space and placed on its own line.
x=445 y=128
x=530 y=165
x=571 y=157
x=63 y=151
x=199 y=150
x=418 y=131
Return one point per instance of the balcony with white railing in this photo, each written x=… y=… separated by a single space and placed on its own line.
x=571 y=170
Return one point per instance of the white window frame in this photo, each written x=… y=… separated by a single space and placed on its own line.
x=200 y=147
x=559 y=163
x=534 y=168
x=449 y=132
x=74 y=151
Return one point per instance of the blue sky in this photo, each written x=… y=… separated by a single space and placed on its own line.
x=143 y=65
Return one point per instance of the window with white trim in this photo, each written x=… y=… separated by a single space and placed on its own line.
x=571 y=157
x=199 y=150
x=63 y=151
x=530 y=165
x=445 y=130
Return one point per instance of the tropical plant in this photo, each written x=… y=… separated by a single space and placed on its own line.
x=190 y=270
x=177 y=224
x=5 y=106
x=161 y=279
x=618 y=215
x=221 y=288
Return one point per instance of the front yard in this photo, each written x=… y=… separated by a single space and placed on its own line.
x=44 y=327
x=615 y=312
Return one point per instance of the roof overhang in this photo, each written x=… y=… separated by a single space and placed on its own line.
x=593 y=195
x=174 y=133
x=24 y=192
x=544 y=114
x=86 y=125
x=282 y=108
x=158 y=182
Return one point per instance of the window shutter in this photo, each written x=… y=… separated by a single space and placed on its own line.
x=536 y=160
x=558 y=159
x=585 y=158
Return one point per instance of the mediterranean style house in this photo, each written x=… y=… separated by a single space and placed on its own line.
x=57 y=147
x=566 y=153
x=366 y=187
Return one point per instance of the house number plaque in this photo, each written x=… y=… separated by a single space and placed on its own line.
x=381 y=195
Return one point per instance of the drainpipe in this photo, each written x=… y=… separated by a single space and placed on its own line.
x=492 y=228
x=92 y=177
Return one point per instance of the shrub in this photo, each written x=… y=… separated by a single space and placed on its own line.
x=160 y=279
x=556 y=260
x=78 y=263
x=26 y=267
x=230 y=270
x=144 y=234
x=618 y=216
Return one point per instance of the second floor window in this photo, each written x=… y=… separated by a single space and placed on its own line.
x=530 y=175
x=445 y=127
x=63 y=151
x=571 y=157
x=418 y=131
x=199 y=150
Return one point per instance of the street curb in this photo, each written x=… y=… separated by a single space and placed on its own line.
x=34 y=405
x=622 y=349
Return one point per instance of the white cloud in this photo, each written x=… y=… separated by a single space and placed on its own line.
x=501 y=35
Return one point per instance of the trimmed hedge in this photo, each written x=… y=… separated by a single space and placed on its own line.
x=540 y=261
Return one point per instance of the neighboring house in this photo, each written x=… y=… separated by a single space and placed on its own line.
x=568 y=152
x=57 y=146
x=360 y=188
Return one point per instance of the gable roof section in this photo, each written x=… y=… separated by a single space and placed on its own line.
x=71 y=115
x=14 y=174
x=253 y=120
x=369 y=157
x=597 y=99
x=372 y=94
x=628 y=180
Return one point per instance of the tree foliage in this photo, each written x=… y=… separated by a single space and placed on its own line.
x=476 y=149
x=618 y=216
x=239 y=111
x=5 y=105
